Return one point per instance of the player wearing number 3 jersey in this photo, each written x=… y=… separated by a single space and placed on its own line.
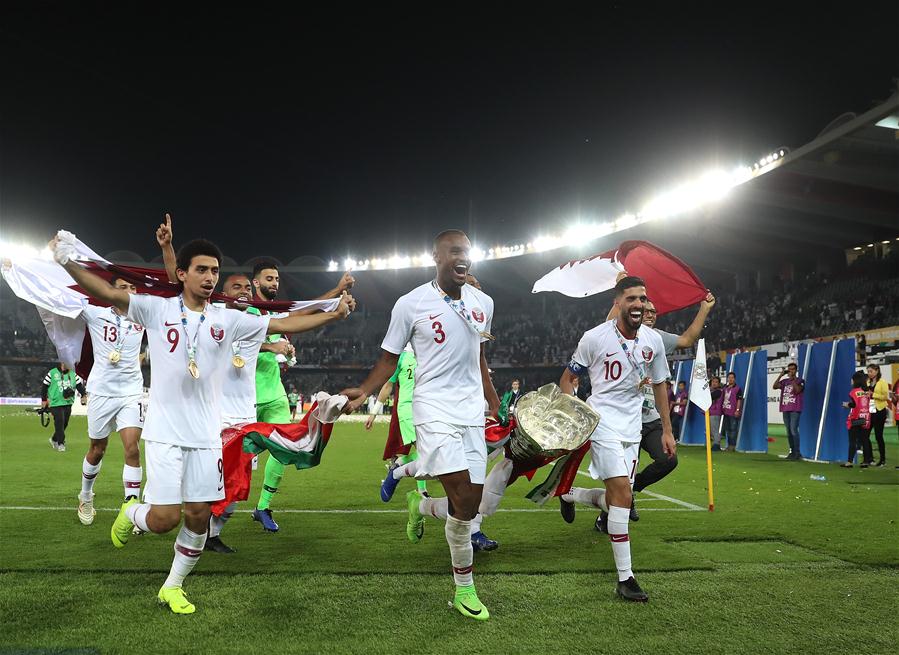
x=622 y=356
x=190 y=345
x=447 y=321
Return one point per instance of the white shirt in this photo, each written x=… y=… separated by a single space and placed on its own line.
x=239 y=386
x=108 y=330
x=614 y=379
x=448 y=385
x=184 y=411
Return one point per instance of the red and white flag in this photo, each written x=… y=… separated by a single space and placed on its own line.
x=670 y=283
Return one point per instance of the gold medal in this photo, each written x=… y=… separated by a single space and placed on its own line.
x=115 y=356
x=193 y=369
x=238 y=361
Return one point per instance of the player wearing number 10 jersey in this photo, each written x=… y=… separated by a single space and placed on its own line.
x=115 y=389
x=622 y=357
x=190 y=345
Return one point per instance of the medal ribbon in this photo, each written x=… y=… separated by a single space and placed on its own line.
x=460 y=310
x=639 y=368
x=191 y=345
x=120 y=342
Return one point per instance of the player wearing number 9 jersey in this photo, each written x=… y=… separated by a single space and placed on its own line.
x=115 y=389
x=622 y=356
x=190 y=345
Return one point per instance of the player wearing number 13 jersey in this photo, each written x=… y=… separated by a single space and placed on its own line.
x=190 y=345
x=115 y=389
x=622 y=356
x=447 y=321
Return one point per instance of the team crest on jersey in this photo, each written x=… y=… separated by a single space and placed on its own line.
x=138 y=327
x=477 y=315
x=647 y=354
x=217 y=332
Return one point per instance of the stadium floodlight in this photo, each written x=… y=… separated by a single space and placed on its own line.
x=477 y=254
x=870 y=245
x=857 y=248
x=348 y=264
x=884 y=242
x=332 y=265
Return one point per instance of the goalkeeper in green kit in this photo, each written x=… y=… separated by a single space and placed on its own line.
x=401 y=434
x=272 y=405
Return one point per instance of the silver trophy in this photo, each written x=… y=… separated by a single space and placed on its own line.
x=550 y=423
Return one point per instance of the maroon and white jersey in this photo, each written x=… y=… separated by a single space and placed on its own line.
x=184 y=411
x=448 y=385
x=111 y=333
x=614 y=377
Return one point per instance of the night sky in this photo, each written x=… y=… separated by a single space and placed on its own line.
x=297 y=134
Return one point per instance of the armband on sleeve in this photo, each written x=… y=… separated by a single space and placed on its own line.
x=576 y=368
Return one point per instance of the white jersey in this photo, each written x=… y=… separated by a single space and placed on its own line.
x=614 y=377
x=113 y=333
x=448 y=385
x=184 y=411
x=239 y=386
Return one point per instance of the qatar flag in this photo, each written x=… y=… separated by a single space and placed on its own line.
x=670 y=283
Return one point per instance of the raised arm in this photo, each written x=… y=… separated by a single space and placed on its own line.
x=776 y=384
x=294 y=323
x=164 y=239
x=346 y=283
x=692 y=333
x=94 y=285
x=489 y=390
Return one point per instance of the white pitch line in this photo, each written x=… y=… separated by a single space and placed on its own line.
x=24 y=508
x=690 y=507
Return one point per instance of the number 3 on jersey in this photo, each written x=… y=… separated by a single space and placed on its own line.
x=439 y=334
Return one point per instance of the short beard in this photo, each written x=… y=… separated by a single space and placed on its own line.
x=268 y=293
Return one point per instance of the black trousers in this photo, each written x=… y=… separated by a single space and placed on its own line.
x=878 y=421
x=661 y=465
x=860 y=437
x=61 y=417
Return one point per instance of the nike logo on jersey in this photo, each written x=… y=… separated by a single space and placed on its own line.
x=610 y=354
x=432 y=317
x=167 y=324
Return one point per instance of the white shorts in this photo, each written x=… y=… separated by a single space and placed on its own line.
x=614 y=459
x=107 y=414
x=178 y=475
x=444 y=448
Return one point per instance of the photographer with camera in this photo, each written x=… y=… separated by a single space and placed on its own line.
x=58 y=394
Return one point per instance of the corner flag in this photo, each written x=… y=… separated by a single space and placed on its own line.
x=699 y=383
x=702 y=398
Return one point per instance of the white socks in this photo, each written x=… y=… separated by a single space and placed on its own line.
x=216 y=523
x=89 y=473
x=458 y=536
x=436 y=507
x=137 y=514
x=131 y=478
x=188 y=546
x=476 y=523
x=621 y=546
x=406 y=470
x=592 y=497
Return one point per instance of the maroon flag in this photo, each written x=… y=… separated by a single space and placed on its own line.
x=670 y=283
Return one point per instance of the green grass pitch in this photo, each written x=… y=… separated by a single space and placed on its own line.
x=784 y=564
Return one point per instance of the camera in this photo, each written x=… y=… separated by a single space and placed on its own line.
x=68 y=393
